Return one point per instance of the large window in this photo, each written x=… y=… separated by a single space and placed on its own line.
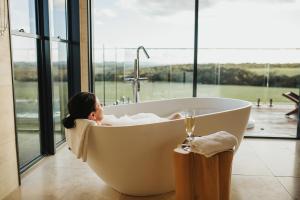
x=164 y=28
x=248 y=50
x=40 y=51
x=23 y=17
x=58 y=18
x=59 y=70
x=60 y=87
x=26 y=98
x=25 y=73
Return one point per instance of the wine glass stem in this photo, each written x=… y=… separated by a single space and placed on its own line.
x=190 y=140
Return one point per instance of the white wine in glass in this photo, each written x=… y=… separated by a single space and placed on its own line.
x=189 y=123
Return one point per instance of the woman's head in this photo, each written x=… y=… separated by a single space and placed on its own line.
x=83 y=105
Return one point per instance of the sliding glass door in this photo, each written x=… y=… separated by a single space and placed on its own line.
x=25 y=73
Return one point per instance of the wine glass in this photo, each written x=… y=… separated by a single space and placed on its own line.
x=189 y=123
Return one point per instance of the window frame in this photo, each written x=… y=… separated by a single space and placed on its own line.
x=43 y=48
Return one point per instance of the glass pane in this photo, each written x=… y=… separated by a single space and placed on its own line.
x=99 y=69
x=23 y=15
x=105 y=76
x=26 y=98
x=58 y=18
x=231 y=73
x=60 y=86
x=246 y=57
x=169 y=74
x=282 y=78
x=166 y=31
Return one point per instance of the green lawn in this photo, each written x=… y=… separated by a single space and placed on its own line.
x=160 y=90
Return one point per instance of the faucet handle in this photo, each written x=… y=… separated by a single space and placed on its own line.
x=143 y=78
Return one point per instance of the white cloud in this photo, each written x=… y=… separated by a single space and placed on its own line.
x=105 y=12
x=222 y=24
x=98 y=22
x=170 y=7
x=244 y=24
x=157 y=7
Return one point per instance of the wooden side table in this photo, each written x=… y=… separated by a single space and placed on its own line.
x=201 y=178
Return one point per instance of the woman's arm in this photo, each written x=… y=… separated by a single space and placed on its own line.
x=175 y=116
x=106 y=124
x=103 y=123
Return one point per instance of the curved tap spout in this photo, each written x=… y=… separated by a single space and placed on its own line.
x=137 y=61
x=138 y=49
x=137 y=78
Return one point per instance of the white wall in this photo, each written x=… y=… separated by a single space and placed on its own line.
x=8 y=160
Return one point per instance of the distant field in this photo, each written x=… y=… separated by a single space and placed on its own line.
x=27 y=104
x=165 y=90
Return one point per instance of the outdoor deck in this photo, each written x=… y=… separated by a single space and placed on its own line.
x=272 y=122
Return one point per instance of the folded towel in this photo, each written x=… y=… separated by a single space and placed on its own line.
x=77 y=137
x=212 y=144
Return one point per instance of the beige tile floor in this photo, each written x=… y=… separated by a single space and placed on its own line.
x=263 y=169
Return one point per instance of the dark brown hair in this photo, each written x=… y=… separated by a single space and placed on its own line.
x=80 y=106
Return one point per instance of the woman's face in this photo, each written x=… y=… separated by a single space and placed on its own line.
x=97 y=115
x=99 y=111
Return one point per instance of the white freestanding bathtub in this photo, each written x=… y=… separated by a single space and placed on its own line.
x=138 y=159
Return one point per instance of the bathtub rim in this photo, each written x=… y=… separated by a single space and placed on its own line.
x=247 y=105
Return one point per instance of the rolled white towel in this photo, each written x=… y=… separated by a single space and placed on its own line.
x=212 y=144
x=77 y=137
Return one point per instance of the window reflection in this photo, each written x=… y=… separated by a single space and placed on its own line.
x=59 y=86
x=26 y=98
x=23 y=15
x=57 y=14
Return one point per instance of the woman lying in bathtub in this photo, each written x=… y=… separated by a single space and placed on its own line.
x=85 y=105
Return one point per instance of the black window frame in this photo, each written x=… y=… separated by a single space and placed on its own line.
x=43 y=48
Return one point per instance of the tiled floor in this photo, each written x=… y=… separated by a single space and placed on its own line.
x=262 y=169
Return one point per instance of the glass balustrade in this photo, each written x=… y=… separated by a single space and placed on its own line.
x=246 y=79
x=260 y=76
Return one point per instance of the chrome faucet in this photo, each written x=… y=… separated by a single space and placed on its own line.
x=136 y=79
